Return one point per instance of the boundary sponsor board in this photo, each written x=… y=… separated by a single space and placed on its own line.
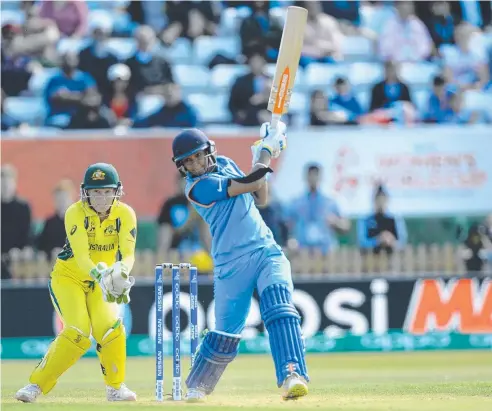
x=330 y=308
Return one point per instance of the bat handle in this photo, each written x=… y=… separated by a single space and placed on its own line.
x=274 y=121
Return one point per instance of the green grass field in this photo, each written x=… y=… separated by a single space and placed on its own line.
x=437 y=381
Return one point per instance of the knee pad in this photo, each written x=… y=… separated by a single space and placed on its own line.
x=284 y=328
x=216 y=351
x=64 y=351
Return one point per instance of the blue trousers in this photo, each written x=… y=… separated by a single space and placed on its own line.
x=234 y=284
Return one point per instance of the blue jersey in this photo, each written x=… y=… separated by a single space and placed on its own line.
x=235 y=223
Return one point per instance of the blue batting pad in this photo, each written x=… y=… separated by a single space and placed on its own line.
x=284 y=328
x=216 y=351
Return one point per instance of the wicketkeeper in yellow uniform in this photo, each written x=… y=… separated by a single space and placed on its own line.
x=90 y=277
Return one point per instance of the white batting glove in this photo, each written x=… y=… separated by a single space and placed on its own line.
x=120 y=282
x=102 y=275
x=274 y=140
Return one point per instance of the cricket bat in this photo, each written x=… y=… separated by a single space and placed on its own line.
x=287 y=63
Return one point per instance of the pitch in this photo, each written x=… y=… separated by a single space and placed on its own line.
x=429 y=381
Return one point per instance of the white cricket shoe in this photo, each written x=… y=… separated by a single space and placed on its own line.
x=195 y=395
x=294 y=387
x=29 y=393
x=122 y=394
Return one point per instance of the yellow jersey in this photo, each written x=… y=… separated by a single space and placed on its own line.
x=90 y=241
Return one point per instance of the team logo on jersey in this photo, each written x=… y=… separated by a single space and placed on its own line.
x=110 y=230
x=98 y=175
x=73 y=230
x=92 y=228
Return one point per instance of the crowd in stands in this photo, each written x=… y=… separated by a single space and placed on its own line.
x=308 y=229
x=106 y=64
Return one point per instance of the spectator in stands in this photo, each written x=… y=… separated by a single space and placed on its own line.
x=120 y=99
x=249 y=93
x=149 y=70
x=15 y=218
x=456 y=113
x=17 y=64
x=273 y=215
x=190 y=19
x=92 y=115
x=322 y=38
x=260 y=28
x=52 y=237
x=390 y=90
x=381 y=231
x=439 y=21
x=467 y=60
x=344 y=99
x=405 y=37
x=70 y=16
x=179 y=225
x=8 y=122
x=347 y=14
x=476 y=13
x=95 y=59
x=174 y=113
x=438 y=103
x=474 y=251
x=314 y=218
x=321 y=115
x=67 y=91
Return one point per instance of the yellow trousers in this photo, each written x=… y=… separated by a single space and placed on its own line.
x=81 y=306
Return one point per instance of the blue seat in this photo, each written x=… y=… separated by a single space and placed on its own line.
x=420 y=98
x=365 y=74
x=318 y=75
x=206 y=47
x=193 y=78
x=299 y=103
x=122 y=48
x=31 y=110
x=419 y=74
x=211 y=108
x=148 y=104
x=179 y=52
x=224 y=75
x=39 y=80
x=364 y=99
x=72 y=44
x=357 y=48
x=478 y=100
x=230 y=21
x=12 y=16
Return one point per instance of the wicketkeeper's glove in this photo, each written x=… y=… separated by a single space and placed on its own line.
x=102 y=275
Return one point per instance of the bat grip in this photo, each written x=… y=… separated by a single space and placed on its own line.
x=274 y=121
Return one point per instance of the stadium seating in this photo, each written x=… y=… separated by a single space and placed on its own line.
x=318 y=75
x=30 y=110
x=147 y=105
x=211 y=108
x=224 y=75
x=420 y=74
x=122 y=48
x=191 y=78
x=207 y=47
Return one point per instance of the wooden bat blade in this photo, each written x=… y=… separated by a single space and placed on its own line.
x=288 y=60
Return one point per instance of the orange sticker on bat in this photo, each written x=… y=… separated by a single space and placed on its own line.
x=278 y=108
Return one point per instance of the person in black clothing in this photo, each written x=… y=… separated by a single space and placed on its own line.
x=52 y=237
x=16 y=218
x=174 y=113
x=149 y=70
x=190 y=19
x=473 y=251
x=95 y=59
x=249 y=94
x=260 y=28
x=92 y=115
x=381 y=231
x=390 y=90
x=180 y=227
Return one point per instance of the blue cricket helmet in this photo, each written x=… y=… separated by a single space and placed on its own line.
x=190 y=141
